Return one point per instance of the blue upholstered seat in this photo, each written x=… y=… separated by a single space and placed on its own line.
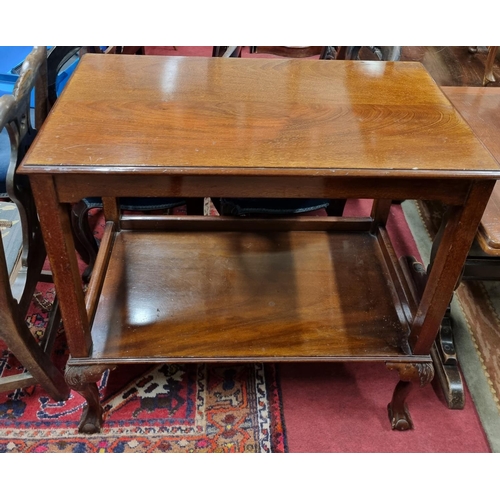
x=140 y=204
x=270 y=206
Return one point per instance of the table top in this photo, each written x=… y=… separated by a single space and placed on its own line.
x=192 y=115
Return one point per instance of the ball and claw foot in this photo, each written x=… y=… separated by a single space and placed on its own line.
x=410 y=374
x=400 y=421
x=91 y=422
x=83 y=380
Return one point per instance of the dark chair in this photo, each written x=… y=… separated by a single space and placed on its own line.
x=334 y=52
x=289 y=51
x=17 y=286
x=114 y=49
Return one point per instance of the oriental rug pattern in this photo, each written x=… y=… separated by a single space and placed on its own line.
x=148 y=408
x=151 y=408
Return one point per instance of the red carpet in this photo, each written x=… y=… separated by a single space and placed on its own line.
x=330 y=407
x=341 y=407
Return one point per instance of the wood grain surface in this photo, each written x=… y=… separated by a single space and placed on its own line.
x=301 y=294
x=187 y=114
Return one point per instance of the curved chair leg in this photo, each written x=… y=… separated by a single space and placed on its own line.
x=85 y=243
x=22 y=344
x=336 y=208
x=36 y=361
x=488 y=68
x=409 y=373
x=195 y=206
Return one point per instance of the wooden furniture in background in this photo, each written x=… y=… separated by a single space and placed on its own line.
x=480 y=107
x=15 y=298
x=488 y=76
x=115 y=49
x=333 y=52
x=285 y=51
x=219 y=289
x=488 y=69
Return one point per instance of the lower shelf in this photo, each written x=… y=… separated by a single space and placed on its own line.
x=297 y=295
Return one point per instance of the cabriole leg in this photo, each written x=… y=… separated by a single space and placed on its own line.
x=409 y=373
x=83 y=379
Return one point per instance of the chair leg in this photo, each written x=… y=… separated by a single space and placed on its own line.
x=194 y=206
x=31 y=355
x=336 y=208
x=85 y=243
x=488 y=69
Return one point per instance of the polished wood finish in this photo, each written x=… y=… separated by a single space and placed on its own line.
x=213 y=291
x=345 y=116
x=58 y=238
x=461 y=227
x=316 y=183
x=409 y=373
x=453 y=65
x=265 y=295
x=479 y=106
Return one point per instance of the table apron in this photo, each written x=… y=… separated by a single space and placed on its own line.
x=73 y=187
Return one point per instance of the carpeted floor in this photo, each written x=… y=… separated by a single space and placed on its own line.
x=342 y=407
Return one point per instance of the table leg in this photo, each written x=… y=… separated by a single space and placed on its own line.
x=449 y=255
x=409 y=373
x=83 y=379
x=458 y=235
x=56 y=229
x=443 y=351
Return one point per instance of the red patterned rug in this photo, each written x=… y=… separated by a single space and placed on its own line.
x=149 y=408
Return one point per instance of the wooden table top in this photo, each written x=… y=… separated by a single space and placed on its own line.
x=185 y=115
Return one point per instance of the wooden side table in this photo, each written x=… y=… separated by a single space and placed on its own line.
x=220 y=289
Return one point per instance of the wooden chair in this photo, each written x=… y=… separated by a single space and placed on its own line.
x=488 y=67
x=334 y=52
x=488 y=77
x=479 y=107
x=114 y=49
x=15 y=299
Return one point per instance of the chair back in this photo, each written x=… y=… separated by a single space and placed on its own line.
x=15 y=110
x=57 y=57
x=16 y=118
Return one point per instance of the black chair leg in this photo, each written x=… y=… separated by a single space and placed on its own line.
x=336 y=208
x=85 y=243
x=195 y=206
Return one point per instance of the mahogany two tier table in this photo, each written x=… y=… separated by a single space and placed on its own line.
x=225 y=289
